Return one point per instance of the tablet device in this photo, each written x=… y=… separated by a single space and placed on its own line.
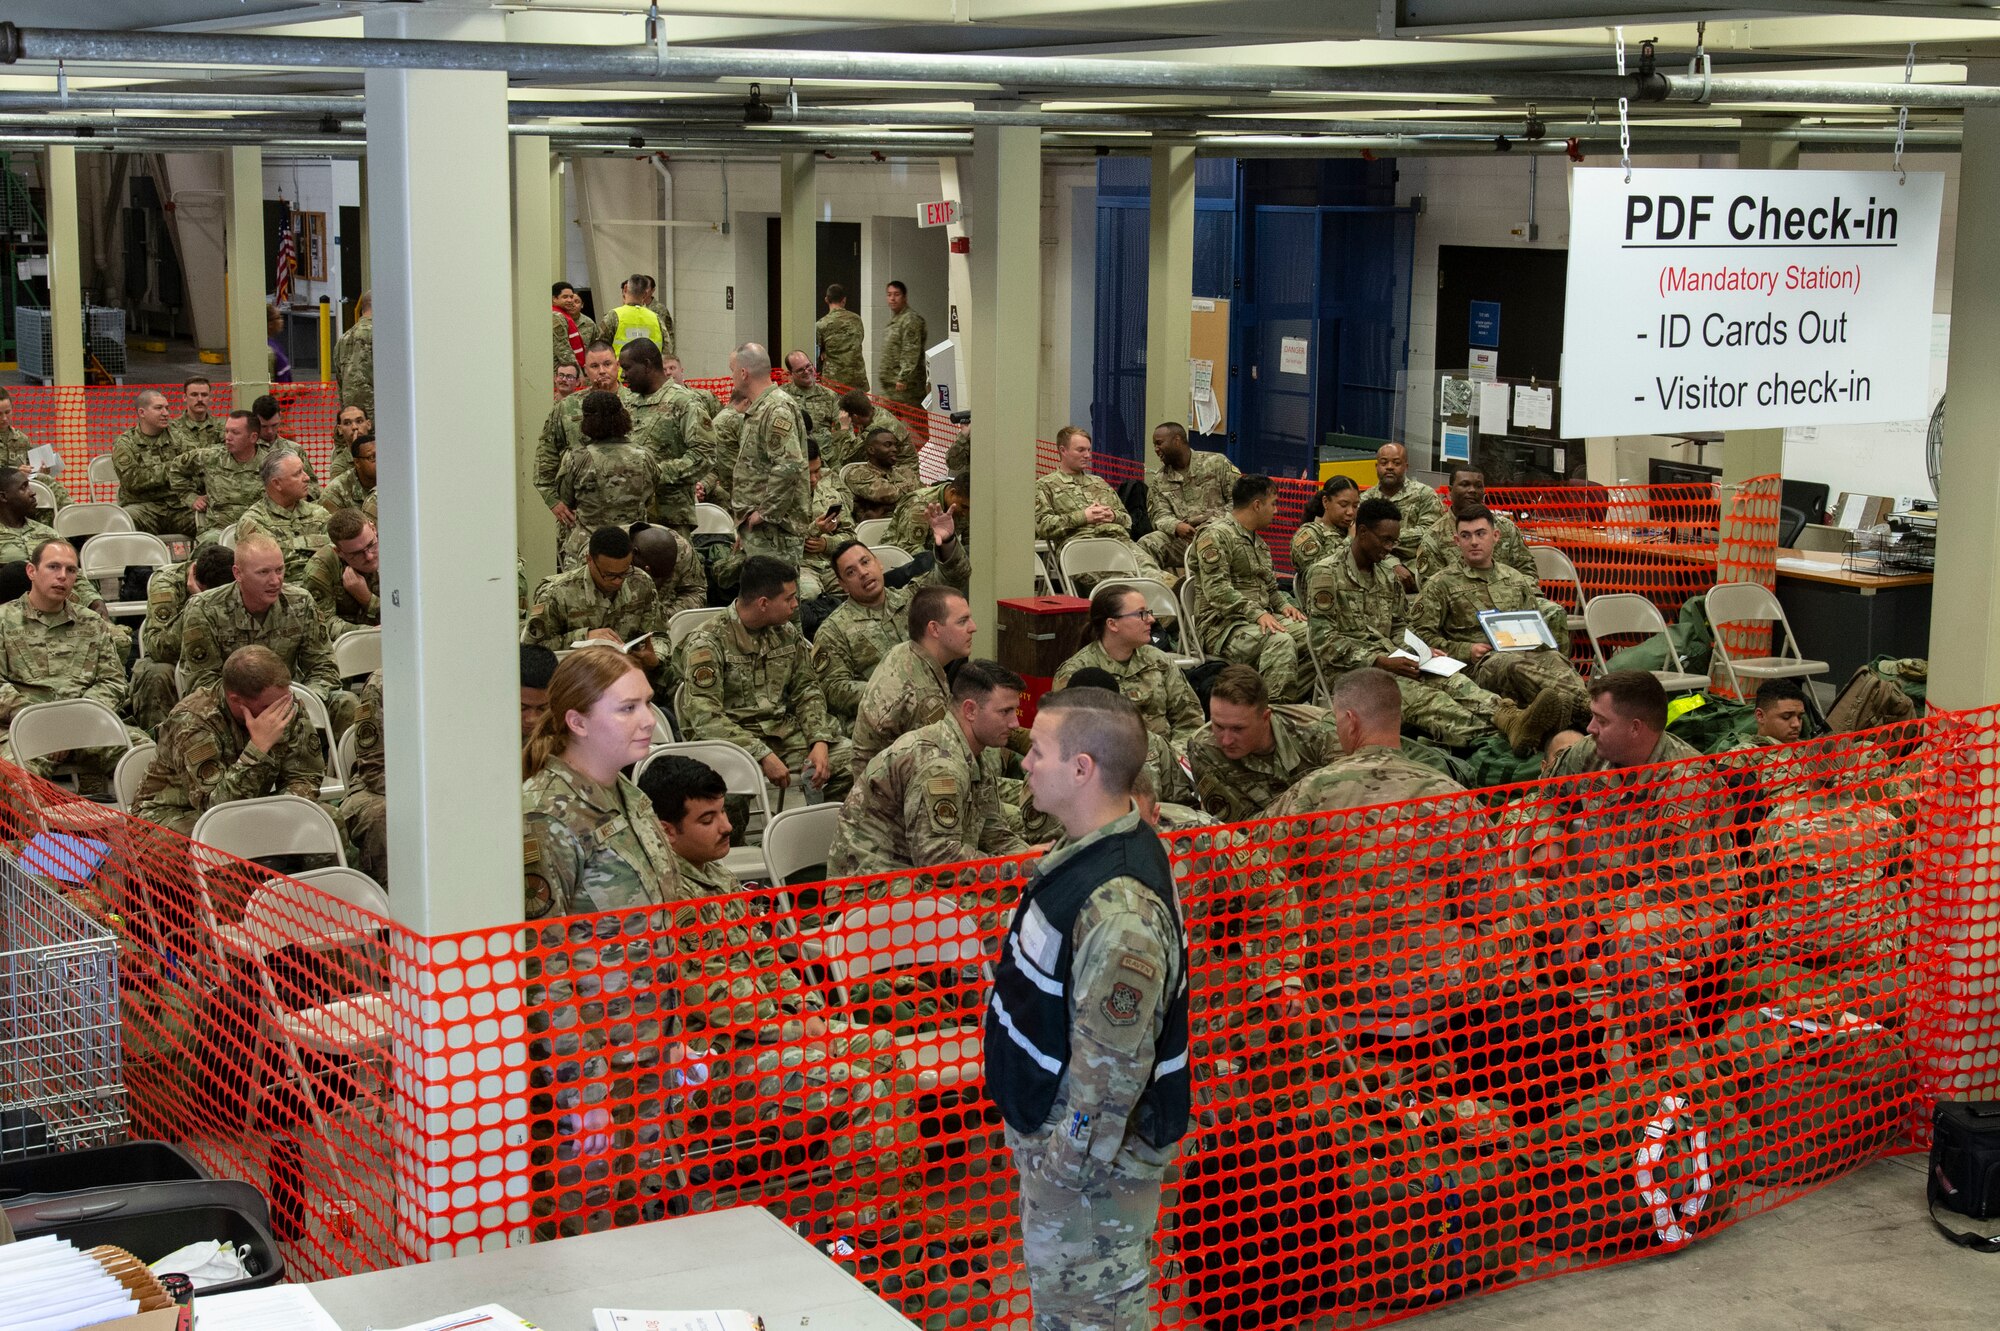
x=1516 y=630
x=63 y=858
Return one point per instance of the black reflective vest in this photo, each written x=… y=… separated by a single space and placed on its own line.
x=1027 y=1017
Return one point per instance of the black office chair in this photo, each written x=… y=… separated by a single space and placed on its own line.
x=1790 y=523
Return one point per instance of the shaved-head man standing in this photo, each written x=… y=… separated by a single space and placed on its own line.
x=1419 y=503
x=771 y=488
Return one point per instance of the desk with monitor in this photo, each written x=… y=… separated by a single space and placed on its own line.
x=1848 y=618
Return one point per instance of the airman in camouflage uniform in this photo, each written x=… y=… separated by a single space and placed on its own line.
x=348 y=490
x=876 y=491
x=845 y=445
x=771 y=478
x=153 y=693
x=343 y=614
x=906 y=691
x=206 y=758
x=910 y=528
x=14 y=447
x=1358 y=617
x=1064 y=497
x=853 y=639
x=562 y=429
x=1313 y=541
x=66 y=652
x=1237 y=790
x=819 y=403
x=759 y=689
x=678 y=432
x=19 y=542
x=926 y=799
x=842 y=341
x=193 y=431
x=903 y=347
x=1237 y=592
x=146 y=461
x=688 y=587
x=1189 y=490
x=727 y=428
x=1419 y=504
x=1439 y=549
x=1447 y=618
x=230 y=486
x=607 y=483
x=1090 y=1194
x=1151 y=682
x=364 y=809
x=354 y=359
x=216 y=622
x=827 y=533
x=589 y=847
x=566 y=607
x=299 y=530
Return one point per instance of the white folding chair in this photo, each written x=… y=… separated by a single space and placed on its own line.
x=1048 y=571
x=908 y=934
x=663 y=727
x=798 y=839
x=269 y=825
x=685 y=622
x=1165 y=605
x=357 y=652
x=342 y=757
x=741 y=774
x=42 y=728
x=1617 y=614
x=226 y=538
x=130 y=773
x=871 y=530
x=334 y=784
x=88 y=519
x=809 y=588
x=1751 y=603
x=1552 y=565
x=45 y=498
x=102 y=475
x=106 y=556
x=713 y=520
x=891 y=556
x=1191 y=640
x=1100 y=557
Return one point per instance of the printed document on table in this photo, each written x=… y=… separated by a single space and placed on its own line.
x=711 y=1319
x=1428 y=661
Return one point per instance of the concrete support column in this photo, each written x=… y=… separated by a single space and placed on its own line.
x=367 y=264
x=65 y=269
x=1169 y=290
x=798 y=250
x=534 y=381
x=1004 y=227
x=1747 y=453
x=243 y=245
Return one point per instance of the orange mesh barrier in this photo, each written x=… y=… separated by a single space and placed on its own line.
x=82 y=423
x=1438 y=1046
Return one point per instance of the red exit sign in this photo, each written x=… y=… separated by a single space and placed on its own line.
x=938 y=214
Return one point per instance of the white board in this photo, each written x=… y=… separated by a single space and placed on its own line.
x=1742 y=300
x=1883 y=459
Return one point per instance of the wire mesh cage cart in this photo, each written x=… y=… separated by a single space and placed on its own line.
x=62 y=1084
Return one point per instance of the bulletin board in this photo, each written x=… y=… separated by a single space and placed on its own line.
x=1208 y=339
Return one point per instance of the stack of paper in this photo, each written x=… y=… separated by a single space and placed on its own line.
x=48 y=1284
x=274 y=1308
x=712 y=1319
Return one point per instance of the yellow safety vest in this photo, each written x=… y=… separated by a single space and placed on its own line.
x=634 y=322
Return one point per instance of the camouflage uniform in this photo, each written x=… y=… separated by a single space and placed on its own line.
x=1312 y=542
x=1232 y=570
x=924 y=800
x=1421 y=508
x=820 y=406
x=906 y=691
x=1356 y=617
x=682 y=440
x=206 y=758
x=910 y=530
x=562 y=431
x=1152 y=682
x=589 y=848
x=191 y=434
x=854 y=638
x=20 y=542
x=364 y=809
x=825 y=495
x=14 y=448
x=843 y=448
x=69 y=652
x=569 y=605
x=903 y=347
x=153 y=693
x=958 y=458
x=606 y=483
x=146 y=488
x=727 y=428
x=1438 y=550
x=298 y=530
x=354 y=365
x=345 y=491
x=215 y=623
x=343 y=614
x=690 y=586
x=1447 y=617
x=759 y=689
x=561 y=353
x=1396 y=946
x=1060 y=499
x=881 y=489
x=1239 y=790
x=1089 y=1206
x=230 y=486
x=770 y=478
x=1197 y=496
x=842 y=339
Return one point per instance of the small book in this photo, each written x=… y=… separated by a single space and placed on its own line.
x=1428 y=661
x=1516 y=630
x=708 y=1319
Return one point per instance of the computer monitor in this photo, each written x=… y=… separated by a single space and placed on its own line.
x=1666 y=471
x=1808 y=497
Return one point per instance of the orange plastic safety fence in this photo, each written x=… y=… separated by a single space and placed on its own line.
x=82 y=423
x=1439 y=1045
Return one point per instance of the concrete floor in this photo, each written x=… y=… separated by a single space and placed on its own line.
x=1859 y=1253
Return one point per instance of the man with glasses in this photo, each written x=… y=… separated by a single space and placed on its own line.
x=344 y=577
x=603 y=599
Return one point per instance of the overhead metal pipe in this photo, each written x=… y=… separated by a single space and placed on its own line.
x=613 y=64
x=179 y=101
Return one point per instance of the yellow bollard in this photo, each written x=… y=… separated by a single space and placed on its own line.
x=325 y=340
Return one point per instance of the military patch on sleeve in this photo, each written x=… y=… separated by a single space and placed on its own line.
x=537 y=898
x=944 y=813
x=1121 y=1005
x=1209 y=553
x=701 y=670
x=1138 y=965
x=1323 y=599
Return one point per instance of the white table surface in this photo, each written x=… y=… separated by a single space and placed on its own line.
x=739 y=1258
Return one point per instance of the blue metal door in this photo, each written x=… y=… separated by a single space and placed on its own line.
x=1279 y=378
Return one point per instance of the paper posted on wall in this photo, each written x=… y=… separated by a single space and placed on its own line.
x=1534 y=408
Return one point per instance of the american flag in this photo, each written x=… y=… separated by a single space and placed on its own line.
x=288 y=261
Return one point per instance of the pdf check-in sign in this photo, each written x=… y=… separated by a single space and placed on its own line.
x=1731 y=300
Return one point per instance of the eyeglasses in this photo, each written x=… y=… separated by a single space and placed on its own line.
x=1136 y=614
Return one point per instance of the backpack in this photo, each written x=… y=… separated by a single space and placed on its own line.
x=1692 y=635
x=1875 y=695
x=1132 y=494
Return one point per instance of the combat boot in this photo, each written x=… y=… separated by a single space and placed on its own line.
x=1548 y=713
x=1507 y=718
